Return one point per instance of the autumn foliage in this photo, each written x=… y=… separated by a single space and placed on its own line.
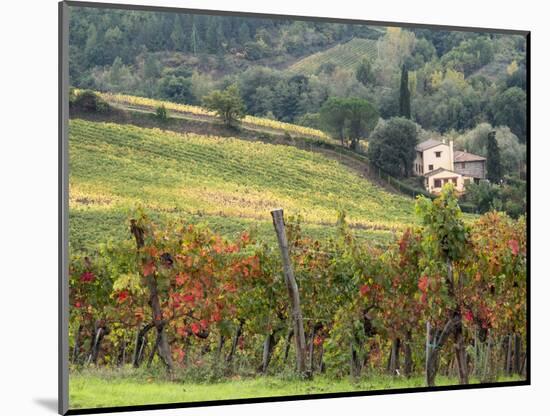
x=365 y=308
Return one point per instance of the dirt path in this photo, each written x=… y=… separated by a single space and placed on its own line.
x=200 y=117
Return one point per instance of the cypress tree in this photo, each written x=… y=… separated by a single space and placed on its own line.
x=404 y=95
x=493 y=158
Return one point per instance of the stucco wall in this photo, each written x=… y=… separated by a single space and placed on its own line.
x=445 y=177
x=444 y=161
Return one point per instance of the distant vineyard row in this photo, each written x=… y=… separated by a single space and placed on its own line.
x=346 y=55
x=196 y=110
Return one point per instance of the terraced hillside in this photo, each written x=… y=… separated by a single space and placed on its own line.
x=228 y=183
x=202 y=113
x=346 y=55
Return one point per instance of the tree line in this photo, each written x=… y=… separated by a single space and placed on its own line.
x=183 y=57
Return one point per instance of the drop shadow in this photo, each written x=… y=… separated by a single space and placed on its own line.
x=47 y=403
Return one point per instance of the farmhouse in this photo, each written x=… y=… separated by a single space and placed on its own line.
x=439 y=163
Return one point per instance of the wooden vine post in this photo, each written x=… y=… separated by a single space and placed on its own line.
x=161 y=344
x=290 y=280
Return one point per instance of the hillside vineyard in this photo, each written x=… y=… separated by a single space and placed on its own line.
x=272 y=207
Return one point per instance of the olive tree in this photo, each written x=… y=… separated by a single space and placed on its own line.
x=227 y=104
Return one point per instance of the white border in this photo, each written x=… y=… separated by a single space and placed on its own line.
x=29 y=209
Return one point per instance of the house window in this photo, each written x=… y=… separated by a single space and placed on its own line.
x=437 y=183
x=430 y=167
x=437 y=154
x=454 y=182
x=463 y=165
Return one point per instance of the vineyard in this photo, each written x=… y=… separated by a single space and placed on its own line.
x=346 y=55
x=217 y=251
x=248 y=120
x=185 y=272
x=228 y=183
x=444 y=302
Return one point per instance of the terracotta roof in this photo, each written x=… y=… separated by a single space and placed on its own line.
x=461 y=156
x=439 y=170
x=425 y=145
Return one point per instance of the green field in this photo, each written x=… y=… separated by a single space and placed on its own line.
x=104 y=388
x=346 y=55
x=229 y=183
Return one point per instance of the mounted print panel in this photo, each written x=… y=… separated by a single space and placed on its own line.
x=261 y=208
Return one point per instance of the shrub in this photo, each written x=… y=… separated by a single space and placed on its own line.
x=72 y=96
x=227 y=104
x=508 y=196
x=88 y=101
x=161 y=113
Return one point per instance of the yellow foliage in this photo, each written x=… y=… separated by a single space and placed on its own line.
x=150 y=102
x=436 y=79
x=452 y=76
x=413 y=81
x=129 y=281
x=456 y=77
x=512 y=68
x=393 y=31
x=196 y=110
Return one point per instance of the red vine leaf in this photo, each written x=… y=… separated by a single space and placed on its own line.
x=514 y=246
x=122 y=296
x=87 y=277
x=149 y=268
x=423 y=283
